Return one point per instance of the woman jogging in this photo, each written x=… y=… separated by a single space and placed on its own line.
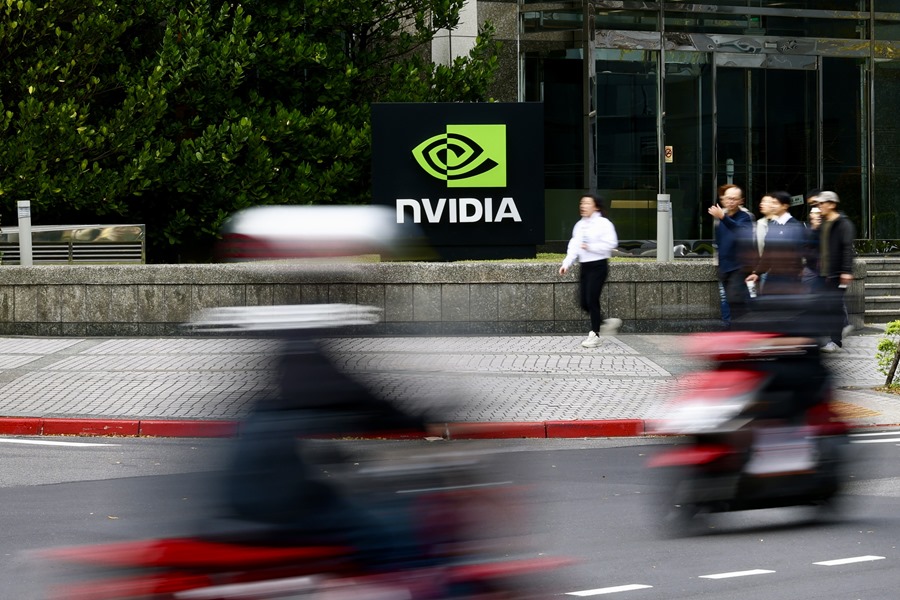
x=593 y=241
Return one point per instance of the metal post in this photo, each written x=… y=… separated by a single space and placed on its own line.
x=664 y=249
x=589 y=92
x=24 y=207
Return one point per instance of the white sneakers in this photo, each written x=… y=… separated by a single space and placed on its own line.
x=608 y=327
x=830 y=347
x=592 y=341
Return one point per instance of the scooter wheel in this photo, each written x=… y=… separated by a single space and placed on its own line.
x=678 y=514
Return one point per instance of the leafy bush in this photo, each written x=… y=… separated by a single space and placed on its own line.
x=176 y=114
x=888 y=347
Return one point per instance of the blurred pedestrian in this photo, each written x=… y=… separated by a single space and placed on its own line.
x=781 y=260
x=835 y=265
x=761 y=228
x=733 y=232
x=593 y=240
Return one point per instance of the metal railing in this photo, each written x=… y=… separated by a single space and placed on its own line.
x=82 y=244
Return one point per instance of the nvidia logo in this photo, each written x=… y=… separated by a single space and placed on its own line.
x=466 y=156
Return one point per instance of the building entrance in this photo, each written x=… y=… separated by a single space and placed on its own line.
x=766 y=128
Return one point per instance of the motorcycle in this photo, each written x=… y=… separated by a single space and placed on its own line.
x=467 y=536
x=757 y=430
x=308 y=516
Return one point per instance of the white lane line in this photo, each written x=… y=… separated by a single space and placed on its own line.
x=736 y=574
x=610 y=590
x=875 y=434
x=50 y=442
x=847 y=561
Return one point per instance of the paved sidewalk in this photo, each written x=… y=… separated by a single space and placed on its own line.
x=537 y=386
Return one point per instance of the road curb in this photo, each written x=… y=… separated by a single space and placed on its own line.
x=203 y=428
x=194 y=428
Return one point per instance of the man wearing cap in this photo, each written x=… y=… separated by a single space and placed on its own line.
x=835 y=264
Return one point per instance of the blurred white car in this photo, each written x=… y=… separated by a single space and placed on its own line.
x=292 y=232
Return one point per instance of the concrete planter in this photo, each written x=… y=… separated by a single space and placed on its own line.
x=432 y=298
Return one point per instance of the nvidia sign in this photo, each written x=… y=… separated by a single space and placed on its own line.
x=466 y=156
x=470 y=174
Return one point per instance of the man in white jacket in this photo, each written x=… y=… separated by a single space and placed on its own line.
x=593 y=241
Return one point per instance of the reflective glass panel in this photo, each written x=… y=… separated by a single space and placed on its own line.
x=886 y=203
x=843 y=135
x=627 y=149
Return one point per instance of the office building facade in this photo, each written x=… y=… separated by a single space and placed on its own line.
x=681 y=97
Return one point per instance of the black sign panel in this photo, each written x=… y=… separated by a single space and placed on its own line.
x=472 y=175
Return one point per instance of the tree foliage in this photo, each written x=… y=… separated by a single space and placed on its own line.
x=176 y=114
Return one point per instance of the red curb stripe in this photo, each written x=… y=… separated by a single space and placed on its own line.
x=486 y=431
x=164 y=428
x=610 y=428
x=208 y=429
x=89 y=427
x=20 y=425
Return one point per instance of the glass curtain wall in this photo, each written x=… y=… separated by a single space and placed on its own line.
x=768 y=95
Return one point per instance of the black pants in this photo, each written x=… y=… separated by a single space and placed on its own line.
x=593 y=277
x=833 y=308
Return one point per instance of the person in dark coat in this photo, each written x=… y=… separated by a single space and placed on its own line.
x=734 y=234
x=835 y=265
x=277 y=476
x=782 y=257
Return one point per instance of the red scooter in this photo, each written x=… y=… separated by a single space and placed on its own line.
x=468 y=540
x=756 y=430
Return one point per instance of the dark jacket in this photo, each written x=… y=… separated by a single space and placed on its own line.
x=840 y=248
x=782 y=257
x=733 y=237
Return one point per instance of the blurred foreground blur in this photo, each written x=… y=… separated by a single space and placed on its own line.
x=305 y=232
x=759 y=423
x=297 y=516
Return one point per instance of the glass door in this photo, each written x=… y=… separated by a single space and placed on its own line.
x=767 y=130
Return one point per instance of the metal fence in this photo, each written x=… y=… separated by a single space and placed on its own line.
x=83 y=244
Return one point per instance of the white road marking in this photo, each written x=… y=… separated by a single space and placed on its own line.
x=736 y=574
x=875 y=434
x=50 y=442
x=847 y=561
x=610 y=590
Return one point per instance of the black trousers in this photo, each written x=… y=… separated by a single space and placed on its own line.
x=593 y=278
x=834 y=310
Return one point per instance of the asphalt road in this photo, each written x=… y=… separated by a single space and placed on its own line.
x=586 y=498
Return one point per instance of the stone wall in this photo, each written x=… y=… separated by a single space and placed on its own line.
x=417 y=298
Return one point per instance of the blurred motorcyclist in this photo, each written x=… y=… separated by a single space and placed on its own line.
x=274 y=479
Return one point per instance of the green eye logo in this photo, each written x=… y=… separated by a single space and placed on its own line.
x=466 y=156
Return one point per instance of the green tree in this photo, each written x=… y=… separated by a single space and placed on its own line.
x=178 y=114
